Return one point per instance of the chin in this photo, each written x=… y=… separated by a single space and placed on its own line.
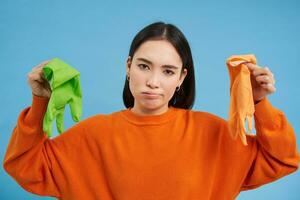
x=152 y=106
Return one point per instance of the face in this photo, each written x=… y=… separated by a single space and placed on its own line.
x=154 y=69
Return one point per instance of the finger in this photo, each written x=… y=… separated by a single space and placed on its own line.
x=47 y=124
x=271 y=75
x=264 y=79
x=41 y=65
x=40 y=73
x=76 y=103
x=60 y=120
x=263 y=71
x=257 y=70
x=252 y=66
x=34 y=77
x=269 y=87
x=76 y=108
x=44 y=63
x=37 y=76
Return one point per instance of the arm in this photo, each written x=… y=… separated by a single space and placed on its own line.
x=274 y=149
x=36 y=162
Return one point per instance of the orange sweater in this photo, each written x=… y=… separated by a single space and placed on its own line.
x=178 y=155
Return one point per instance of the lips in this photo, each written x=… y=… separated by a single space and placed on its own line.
x=151 y=95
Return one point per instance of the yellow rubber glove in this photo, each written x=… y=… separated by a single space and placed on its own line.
x=241 y=97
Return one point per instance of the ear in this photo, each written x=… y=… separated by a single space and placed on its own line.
x=128 y=64
x=182 y=76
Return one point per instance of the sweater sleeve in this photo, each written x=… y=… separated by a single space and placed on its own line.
x=31 y=156
x=274 y=150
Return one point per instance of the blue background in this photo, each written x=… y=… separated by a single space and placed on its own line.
x=94 y=37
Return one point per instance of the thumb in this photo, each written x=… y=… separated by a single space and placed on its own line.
x=250 y=66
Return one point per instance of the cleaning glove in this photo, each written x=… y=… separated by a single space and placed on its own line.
x=65 y=85
x=241 y=97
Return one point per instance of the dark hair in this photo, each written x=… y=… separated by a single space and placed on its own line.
x=185 y=97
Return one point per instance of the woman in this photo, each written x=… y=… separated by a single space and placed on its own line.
x=157 y=148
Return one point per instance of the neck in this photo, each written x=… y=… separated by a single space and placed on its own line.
x=144 y=111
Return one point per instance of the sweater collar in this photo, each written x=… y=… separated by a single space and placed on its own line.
x=149 y=119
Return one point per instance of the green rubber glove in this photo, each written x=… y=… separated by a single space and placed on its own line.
x=65 y=85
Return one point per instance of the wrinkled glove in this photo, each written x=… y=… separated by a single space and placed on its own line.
x=65 y=85
x=241 y=98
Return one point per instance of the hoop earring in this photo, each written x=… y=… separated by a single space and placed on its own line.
x=127 y=77
x=177 y=88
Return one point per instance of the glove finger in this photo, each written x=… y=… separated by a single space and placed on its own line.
x=76 y=108
x=76 y=100
x=60 y=120
x=47 y=125
x=51 y=109
x=49 y=116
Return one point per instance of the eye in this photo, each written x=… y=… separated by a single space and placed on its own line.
x=142 y=66
x=169 y=72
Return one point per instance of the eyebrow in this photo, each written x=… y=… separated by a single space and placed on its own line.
x=164 y=66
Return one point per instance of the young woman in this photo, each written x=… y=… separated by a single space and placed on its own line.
x=158 y=147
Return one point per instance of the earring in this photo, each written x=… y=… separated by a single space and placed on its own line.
x=177 y=88
x=127 y=77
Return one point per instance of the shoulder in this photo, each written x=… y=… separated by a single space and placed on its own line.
x=217 y=128
x=101 y=119
x=96 y=119
x=97 y=126
x=208 y=118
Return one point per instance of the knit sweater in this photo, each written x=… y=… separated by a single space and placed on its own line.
x=178 y=155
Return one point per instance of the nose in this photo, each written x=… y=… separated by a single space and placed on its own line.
x=153 y=81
